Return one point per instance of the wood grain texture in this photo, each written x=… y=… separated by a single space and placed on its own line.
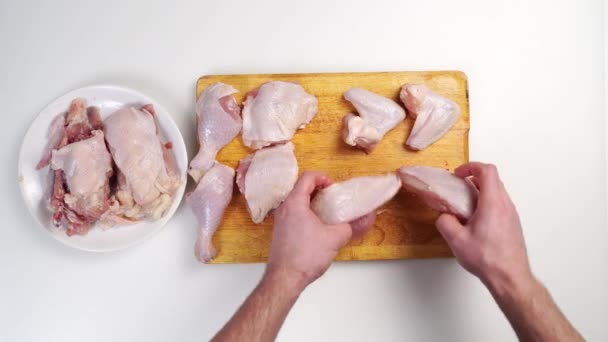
x=405 y=227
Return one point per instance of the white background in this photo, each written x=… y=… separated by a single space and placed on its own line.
x=537 y=110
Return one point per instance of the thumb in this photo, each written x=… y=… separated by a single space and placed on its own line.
x=363 y=224
x=451 y=229
x=341 y=234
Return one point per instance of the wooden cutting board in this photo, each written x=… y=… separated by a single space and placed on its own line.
x=405 y=226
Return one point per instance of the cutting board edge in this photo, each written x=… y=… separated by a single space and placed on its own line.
x=457 y=73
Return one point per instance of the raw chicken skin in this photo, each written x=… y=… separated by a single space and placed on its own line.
x=266 y=177
x=208 y=203
x=87 y=167
x=440 y=189
x=146 y=180
x=434 y=115
x=377 y=116
x=355 y=199
x=75 y=125
x=55 y=134
x=219 y=121
x=274 y=112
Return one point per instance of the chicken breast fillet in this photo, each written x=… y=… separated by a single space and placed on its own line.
x=273 y=113
x=355 y=199
x=434 y=115
x=440 y=189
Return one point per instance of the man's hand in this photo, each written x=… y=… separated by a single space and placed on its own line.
x=303 y=247
x=491 y=244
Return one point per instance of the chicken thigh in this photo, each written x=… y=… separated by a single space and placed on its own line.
x=219 y=121
x=377 y=116
x=147 y=175
x=354 y=200
x=434 y=115
x=266 y=177
x=274 y=112
x=87 y=167
x=440 y=189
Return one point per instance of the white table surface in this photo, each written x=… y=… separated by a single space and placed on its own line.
x=537 y=110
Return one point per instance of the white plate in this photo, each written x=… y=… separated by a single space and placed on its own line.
x=34 y=182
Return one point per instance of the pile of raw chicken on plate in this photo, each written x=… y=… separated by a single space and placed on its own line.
x=115 y=171
x=270 y=117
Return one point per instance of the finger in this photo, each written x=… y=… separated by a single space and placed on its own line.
x=340 y=233
x=473 y=181
x=308 y=182
x=451 y=229
x=484 y=175
x=363 y=224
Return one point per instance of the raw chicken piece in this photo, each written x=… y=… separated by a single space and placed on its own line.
x=274 y=112
x=355 y=200
x=75 y=125
x=86 y=166
x=208 y=203
x=377 y=116
x=79 y=175
x=78 y=125
x=440 y=189
x=94 y=118
x=55 y=134
x=266 y=177
x=434 y=115
x=146 y=179
x=219 y=121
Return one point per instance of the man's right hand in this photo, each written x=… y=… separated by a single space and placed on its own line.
x=491 y=244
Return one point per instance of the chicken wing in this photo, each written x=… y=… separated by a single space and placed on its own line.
x=377 y=116
x=434 y=115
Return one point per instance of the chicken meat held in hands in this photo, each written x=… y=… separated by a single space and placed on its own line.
x=273 y=113
x=266 y=177
x=219 y=121
x=434 y=115
x=355 y=200
x=147 y=173
x=440 y=189
x=208 y=203
x=376 y=116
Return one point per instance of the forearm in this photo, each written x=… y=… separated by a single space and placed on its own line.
x=530 y=309
x=263 y=313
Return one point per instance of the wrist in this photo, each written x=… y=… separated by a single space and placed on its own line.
x=510 y=284
x=289 y=282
